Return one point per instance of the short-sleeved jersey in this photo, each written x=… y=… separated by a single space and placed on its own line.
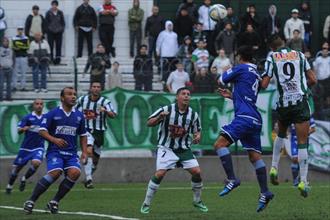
x=245 y=79
x=294 y=139
x=176 y=130
x=66 y=126
x=32 y=140
x=95 y=120
x=289 y=68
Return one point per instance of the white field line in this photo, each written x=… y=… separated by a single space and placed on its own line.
x=74 y=213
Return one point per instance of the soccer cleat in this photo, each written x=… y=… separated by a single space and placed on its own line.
x=28 y=206
x=304 y=188
x=230 y=185
x=9 y=188
x=89 y=184
x=201 y=206
x=296 y=182
x=22 y=186
x=264 y=200
x=274 y=176
x=52 y=206
x=145 y=209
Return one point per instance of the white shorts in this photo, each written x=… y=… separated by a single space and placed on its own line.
x=167 y=160
x=90 y=142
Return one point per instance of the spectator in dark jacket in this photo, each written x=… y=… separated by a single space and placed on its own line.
x=154 y=25
x=250 y=17
x=204 y=82
x=142 y=70
x=271 y=24
x=35 y=23
x=305 y=15
x=135 y=17
x=232 y=18
x=191 y=8
x=250 y=38
x=226 y=39
x=85 y=22
x=98 y=62
x=183 y=25
x=55 y=28
x=107 y=13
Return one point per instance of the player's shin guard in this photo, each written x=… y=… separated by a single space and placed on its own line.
x=41 y=187
x=261 y=172
x=88 y=168
x=29 y=172
x=196 y=185
x=226 y=161
x=65 y=186
x=153 y=186
x=303 y=163
x=278 y=144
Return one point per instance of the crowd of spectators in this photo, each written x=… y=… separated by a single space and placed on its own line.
x=192 y=49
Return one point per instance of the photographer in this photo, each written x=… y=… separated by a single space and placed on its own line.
x=39 y=57
x=98 y=62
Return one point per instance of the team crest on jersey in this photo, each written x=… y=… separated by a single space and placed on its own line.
x=44 y=121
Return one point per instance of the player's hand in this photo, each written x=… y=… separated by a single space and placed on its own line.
x=162 y=115
x=102 y=109
x=60 y=142
x=197 y=138
x=224 y=93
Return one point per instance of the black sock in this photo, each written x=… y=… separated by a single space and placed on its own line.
x=41 y=187
x=30 y=172
x=63 y=189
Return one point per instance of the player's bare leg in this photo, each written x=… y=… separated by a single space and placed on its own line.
x=302 y=130
x=260 y=167
x=221 y=147
x=13 y=175
x=153 y=186
x=33 y=168
x=278 y=144
x=197 y=185
x=42 y=185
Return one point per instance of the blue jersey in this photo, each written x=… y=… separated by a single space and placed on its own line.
x=65 y=126
x=32 y=140
x=245 y=79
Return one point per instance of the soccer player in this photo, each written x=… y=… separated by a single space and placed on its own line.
x=96 y=109
x=179 y=127
x=32 y=148
x=291 y=148
x=246 y=125
x=60 y=127
x=293 y=74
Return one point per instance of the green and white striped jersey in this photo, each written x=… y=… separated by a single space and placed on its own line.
x=94 y=118
x=289 y=67
x=176 y=130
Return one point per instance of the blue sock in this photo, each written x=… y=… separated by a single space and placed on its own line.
x=295 y=170
x=30 y=172
x=261 y=172
x=41 y=187
x=63 y=189
x=227 y=162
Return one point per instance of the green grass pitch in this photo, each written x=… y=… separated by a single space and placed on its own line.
x=174 y=201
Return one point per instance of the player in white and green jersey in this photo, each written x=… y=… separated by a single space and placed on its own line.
x=293 y=76
x=179 y=127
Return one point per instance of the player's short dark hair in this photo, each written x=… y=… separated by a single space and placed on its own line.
x=62 y=91
x=246 y=53
x=143 y=45
x=95 y=82
x=181 y=89
x=275 y=42
x=54 y=2
x=296 y=30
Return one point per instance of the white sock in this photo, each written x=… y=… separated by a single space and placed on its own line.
x=278 y=144
x=197 y=191
x=88 y=168
x=152 y=189
x=303 y=164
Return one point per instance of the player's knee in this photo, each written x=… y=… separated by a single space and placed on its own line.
x=89 y=151
x=195 y=171
x=294 y=160
x=160 y=174
x=35 y=164
x=55 y=174
x=73 y=174
x=254 y=156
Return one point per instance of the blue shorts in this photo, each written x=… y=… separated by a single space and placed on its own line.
x=247 y=131
x=60 y=161
x=24 y=156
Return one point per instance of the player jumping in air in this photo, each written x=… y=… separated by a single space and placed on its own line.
x=293 y=74
x=60 y=127
x=246 y=125
x=32 y=148
x=179 y=127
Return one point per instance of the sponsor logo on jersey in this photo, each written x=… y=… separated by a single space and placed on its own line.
x=293 y=55
x=66 y=130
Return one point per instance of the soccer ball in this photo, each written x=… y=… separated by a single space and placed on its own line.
x=217 y=12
